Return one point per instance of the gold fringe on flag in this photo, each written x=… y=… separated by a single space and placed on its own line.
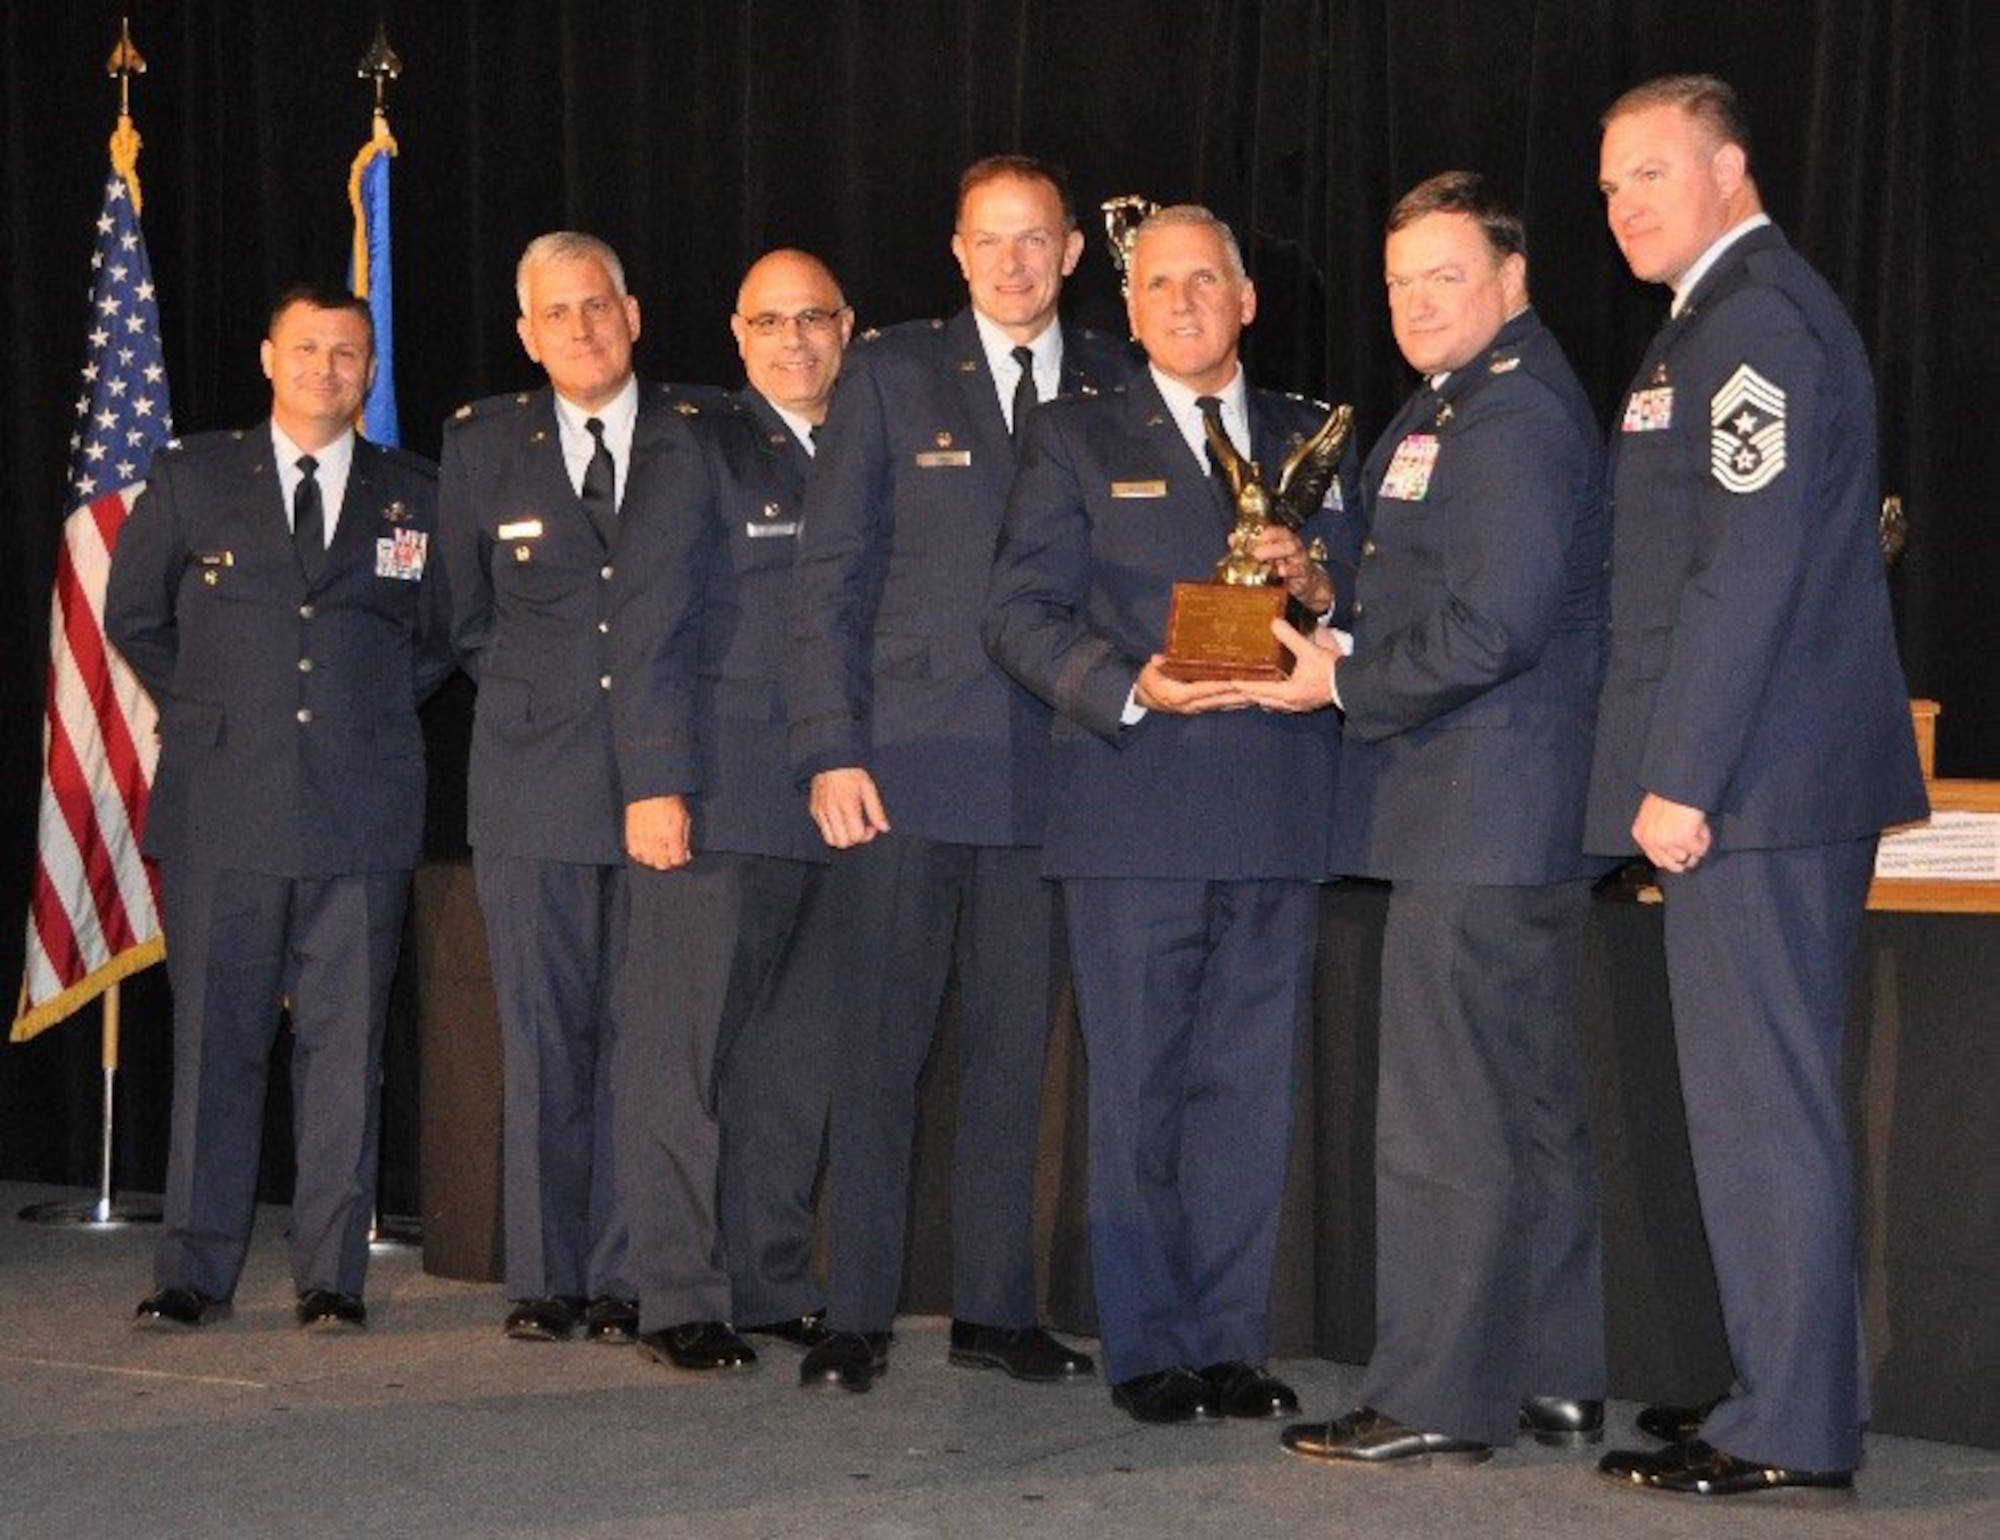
x=381 y=143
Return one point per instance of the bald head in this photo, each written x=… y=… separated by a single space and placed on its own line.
x=791 y=326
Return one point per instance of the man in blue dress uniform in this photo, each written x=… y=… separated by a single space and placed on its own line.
x=1189 y=834
x=725 y=1042
x=277 y=592
x=927 y=769
x=1753 y=740
x=537 y=494
x=1468 y=698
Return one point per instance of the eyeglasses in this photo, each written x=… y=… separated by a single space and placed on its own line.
x=768 y=323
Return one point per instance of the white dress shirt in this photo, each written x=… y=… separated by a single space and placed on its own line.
x=619 y=416
x=999 y=349
x=334 y=462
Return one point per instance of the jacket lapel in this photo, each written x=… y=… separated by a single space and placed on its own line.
x=267 y=522
x=544 y=478
x=979 y=397
x=774 y=434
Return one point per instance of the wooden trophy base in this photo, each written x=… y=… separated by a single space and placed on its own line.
x=1217 y=631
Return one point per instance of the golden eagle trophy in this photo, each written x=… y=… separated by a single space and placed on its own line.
x=1221 y=629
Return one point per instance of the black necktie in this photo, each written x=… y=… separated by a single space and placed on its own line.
x=1025 y=398
x=1211 y=414
x=600 y=483
x=309 y=520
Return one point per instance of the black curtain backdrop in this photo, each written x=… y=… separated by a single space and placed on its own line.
x=695 y=136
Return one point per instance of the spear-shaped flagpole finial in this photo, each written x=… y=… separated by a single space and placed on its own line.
x=381 y=65
x=125 y=62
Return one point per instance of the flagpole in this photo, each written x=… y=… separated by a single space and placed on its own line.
x=379 y=65
x=105 y=1213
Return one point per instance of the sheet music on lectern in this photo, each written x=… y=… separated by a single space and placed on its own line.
x=1951 y=847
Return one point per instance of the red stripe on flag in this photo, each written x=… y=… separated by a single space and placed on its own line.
x=67 y=782
x=88 y=646
x=71 y=792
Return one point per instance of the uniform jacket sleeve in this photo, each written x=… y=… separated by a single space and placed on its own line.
x=842 y=560
x=1034 y=623
x=666 y=550
x=1743 y=581
x=468 y=584
x=141 y=594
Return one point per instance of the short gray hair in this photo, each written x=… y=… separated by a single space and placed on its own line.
x=565 y=246
x=1193 y=214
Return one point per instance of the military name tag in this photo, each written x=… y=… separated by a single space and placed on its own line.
x=932 y=459
x=1138 y=489
x=767 y=531
x=401 y=555
x=1408 y=477
x=521 y=529
x=1650 y=410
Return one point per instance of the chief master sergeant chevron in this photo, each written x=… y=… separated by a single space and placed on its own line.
x=287 y=663
x=1753 y=740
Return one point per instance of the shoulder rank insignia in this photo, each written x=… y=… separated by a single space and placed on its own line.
x=1746 y=444
x=1505 y=364
x=873 y=334
x=462 y=413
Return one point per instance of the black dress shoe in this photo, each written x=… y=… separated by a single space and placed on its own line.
x=1165 y=1396
x=1562 y=1422
x=1365 y=1437
x=1025 y=1352
x=700 y=1346
x=801 y=1331
x=174 y=1309
x=1673 y=1424
x=1696 y=1469
x=611 y=1319
x=1248 y=1390
x=550 y=1319
x=851 y=1360
x=329 y=1310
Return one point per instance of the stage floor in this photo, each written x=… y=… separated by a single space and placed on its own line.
x=431 y=1423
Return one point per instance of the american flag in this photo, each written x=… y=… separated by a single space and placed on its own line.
x=94 y=916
